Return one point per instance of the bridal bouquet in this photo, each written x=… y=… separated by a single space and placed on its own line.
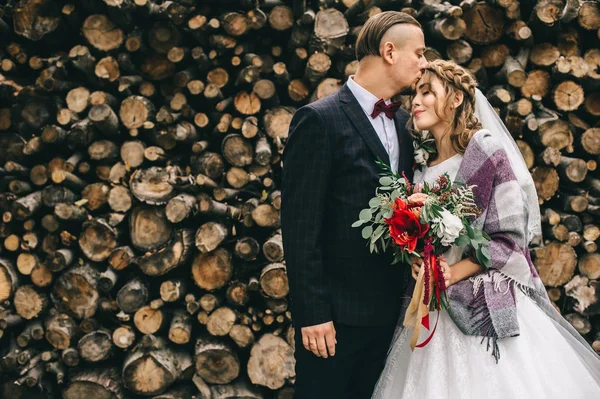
x=422 y=220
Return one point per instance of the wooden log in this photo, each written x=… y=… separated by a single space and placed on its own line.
x=589 y=265
x=9 y=279
x=135 y=111
x=572 y=170
x=273 y=248
x=266 y=216
x=25 y=207
x=274 y=280
x=95 y=383
x=97 y=240
x=181 y=328
x=123 y=337
x=210 y=235
x=267 y=369
x=241 y=335
x=555 y=263
x=536 y=84
x=75 y=291
x=173 y=290
x=61 y=330
x=237 y=389
x=175 y=253
x=247 y=248
x=213 y=270
x=121 y=257
x=237 y=294
x=149 y=228
x=589 y=16
x=120 y=199
x=154 y=367
x=281 y=18
x=568 y=96
x=556 y=134
x=316 y=68
x=216 y=361
x=95 y=346
x=221 y=321
x=101 y=33
x=132 y=296
x=148 y=320
x=29 y=303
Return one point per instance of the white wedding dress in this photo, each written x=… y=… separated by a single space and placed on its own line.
x=545 y=361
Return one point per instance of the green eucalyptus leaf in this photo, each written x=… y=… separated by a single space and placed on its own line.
x=358 y=223
x=386 y=181
x=378 y=232
x=365 y=215
x=486 y=252
x=375 y=202
x=367 y=231
x=462 y=240
x=470 y=232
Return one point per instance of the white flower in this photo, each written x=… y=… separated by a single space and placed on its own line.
x=449 y=229
x=421 y=156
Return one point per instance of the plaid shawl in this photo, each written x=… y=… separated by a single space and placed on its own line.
x=485 y=305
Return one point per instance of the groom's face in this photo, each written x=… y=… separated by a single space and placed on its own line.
x=409 y=60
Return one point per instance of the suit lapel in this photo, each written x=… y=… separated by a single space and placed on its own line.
x=357 y=116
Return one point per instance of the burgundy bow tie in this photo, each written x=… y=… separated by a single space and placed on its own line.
x=389 y=110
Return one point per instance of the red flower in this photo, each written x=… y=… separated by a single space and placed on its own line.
x=405 y=228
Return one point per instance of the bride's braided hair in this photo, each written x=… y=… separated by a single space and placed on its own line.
x=462 y=123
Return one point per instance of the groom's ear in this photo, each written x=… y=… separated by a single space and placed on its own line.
x=387 y=51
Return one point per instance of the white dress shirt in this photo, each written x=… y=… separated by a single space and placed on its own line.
x=384 y=126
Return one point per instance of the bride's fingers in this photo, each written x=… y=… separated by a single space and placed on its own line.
x=448 y=278
x=415 y=270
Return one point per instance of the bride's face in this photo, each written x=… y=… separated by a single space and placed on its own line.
x=428 y=104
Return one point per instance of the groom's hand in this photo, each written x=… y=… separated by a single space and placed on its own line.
x=320 y=339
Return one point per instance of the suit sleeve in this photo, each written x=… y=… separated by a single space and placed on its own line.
x=307 y=161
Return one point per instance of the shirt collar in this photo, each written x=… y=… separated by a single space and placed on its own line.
x=365 y=98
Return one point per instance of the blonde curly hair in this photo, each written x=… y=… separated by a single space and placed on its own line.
x=462 y=123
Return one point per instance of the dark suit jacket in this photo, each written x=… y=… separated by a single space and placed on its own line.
x=329 y=175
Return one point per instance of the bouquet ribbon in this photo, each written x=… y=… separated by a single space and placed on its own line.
x=417 y=314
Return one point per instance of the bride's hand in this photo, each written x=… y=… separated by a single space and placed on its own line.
x=415 y=266
x=447 y=271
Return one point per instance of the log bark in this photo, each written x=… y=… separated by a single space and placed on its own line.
x=95 y=383
x=216 y=362
x=175 y=253
x=153 y=368
x=95 y=346
x=132 y=296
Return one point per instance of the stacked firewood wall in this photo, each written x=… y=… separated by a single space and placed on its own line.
x=140 y=160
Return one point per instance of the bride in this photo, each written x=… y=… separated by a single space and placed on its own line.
x=500 y=337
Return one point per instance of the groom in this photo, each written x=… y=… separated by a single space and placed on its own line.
x=345 y=301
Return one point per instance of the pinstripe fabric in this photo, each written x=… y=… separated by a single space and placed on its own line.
x=329 y=175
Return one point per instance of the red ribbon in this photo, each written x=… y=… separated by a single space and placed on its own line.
x=433 y=261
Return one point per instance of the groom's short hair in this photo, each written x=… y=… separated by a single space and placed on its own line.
x=372 y=32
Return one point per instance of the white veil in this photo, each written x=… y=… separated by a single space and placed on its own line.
x=490 y=120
